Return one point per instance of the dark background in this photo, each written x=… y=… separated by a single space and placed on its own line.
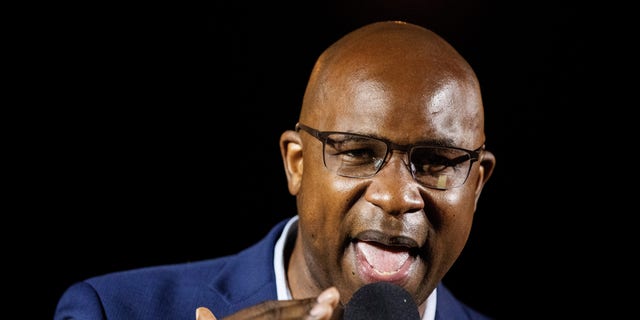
x=172 y=154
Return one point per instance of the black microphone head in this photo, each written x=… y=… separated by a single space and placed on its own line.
x=381 y=301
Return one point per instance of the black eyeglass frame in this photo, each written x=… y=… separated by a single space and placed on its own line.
x=322 y=136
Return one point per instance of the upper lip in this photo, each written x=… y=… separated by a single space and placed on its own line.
x=386 y=239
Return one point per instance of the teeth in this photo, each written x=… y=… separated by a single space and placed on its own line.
x=384 y=262
x=384 y=273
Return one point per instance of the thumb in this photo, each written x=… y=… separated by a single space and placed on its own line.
x=203 y=313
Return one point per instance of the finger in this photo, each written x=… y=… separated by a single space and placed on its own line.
x=327 y=301
x=320 y=308
x=329 y=296
x=203 y=313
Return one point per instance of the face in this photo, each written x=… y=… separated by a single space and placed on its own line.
x=388 y=227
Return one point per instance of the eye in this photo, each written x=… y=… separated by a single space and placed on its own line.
x=437 y=161
x=354 y=153
x=355 y=150
x=436 y=171
x=434 y=165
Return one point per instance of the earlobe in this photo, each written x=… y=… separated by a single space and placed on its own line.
x=291 y=151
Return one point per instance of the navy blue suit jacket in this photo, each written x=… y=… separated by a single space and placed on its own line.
x=224 y=285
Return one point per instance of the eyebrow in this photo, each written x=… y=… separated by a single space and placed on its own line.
x=439 y=142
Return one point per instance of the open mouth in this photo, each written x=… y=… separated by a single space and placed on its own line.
x=378 y=262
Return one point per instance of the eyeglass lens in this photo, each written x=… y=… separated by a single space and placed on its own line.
x=359 y=157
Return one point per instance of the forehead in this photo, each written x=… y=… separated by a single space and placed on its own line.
x=405 y=113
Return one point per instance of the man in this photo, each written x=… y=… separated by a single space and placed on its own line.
x=387 y=163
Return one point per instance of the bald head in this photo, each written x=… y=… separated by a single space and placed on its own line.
x=402 y=59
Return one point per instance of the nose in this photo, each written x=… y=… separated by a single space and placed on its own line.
x=393 y=188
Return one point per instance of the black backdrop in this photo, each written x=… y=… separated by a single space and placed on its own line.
x=174 y=155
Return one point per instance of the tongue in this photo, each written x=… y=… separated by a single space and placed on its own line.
x=383 y=259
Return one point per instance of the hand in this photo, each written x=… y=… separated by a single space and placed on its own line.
x=321 y=308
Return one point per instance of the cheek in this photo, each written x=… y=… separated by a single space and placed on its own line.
x=322 y=202
x=324 y=195
x=457 y=217
x=460 y=201
x=451 y=218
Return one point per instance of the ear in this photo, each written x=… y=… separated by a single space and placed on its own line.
x=487 y=164
x=291 y=151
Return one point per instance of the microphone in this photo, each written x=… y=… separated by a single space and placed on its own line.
x=381 y=301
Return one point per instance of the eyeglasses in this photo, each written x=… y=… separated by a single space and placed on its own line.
x=359 y=156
